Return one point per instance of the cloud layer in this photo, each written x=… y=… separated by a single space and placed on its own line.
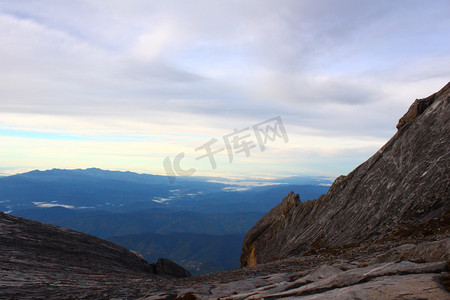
x=170 y=75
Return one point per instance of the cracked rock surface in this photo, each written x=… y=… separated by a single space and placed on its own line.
x=327 y=278
x=406 y=183
x=42 y=261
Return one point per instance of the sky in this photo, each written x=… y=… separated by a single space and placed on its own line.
x=129 y=85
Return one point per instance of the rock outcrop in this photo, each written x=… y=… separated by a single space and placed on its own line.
x=166 y=267
x=44 y=261
x=406 y=183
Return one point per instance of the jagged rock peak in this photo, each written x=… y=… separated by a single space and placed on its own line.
x=420 y=105
x=290 y=201
x=405 y=183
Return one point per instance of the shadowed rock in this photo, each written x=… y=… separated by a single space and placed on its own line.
x=166 y=267
x=44 y=261
x=406 y=182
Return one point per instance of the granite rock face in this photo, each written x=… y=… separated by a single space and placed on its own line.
x=425 y=252
x=47 y=245
x=43 y=261
x=405 y=183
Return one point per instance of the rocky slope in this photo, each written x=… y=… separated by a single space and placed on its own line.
x=406 y=183
x=44 y=261
x=41 y=261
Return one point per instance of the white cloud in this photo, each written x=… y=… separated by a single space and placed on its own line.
x=48 y=205
x=191 y=70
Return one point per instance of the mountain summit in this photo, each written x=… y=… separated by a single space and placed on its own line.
x=406 y=183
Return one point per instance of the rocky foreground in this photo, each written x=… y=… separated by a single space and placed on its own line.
x=408 y=264
x=42 y=261
x=408 y=271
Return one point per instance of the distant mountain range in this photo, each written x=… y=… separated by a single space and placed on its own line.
x=96 y=189
x=137 y=210
x=158 y=220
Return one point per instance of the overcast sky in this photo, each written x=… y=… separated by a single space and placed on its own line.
x=122 y=85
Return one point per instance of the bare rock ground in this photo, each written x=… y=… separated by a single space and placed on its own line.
x=404 y=272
